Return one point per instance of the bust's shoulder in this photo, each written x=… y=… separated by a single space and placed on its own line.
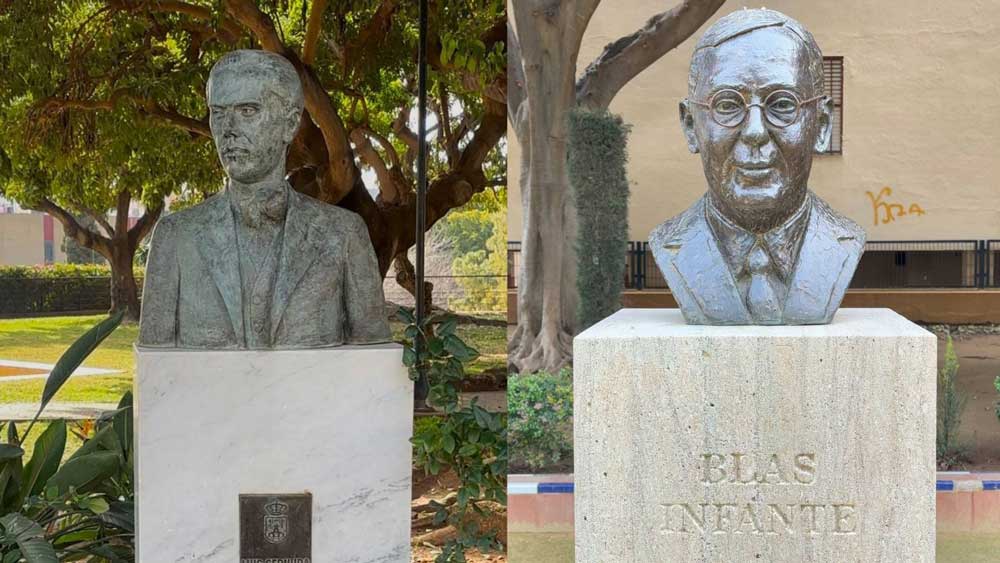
x=191 y=220
x=828 y=220
x=677 y=227
x=331 y=218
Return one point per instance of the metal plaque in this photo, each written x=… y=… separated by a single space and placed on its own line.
x=276 y=528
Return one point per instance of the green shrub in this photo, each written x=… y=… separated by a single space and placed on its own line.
x=78 y=509
x=596 y=162
x=950 y=404
x=541 y=419
x=57 y=288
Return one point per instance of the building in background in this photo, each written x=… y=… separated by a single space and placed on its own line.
x=29 y=238
x=914 y=159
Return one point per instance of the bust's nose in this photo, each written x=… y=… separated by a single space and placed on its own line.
x=754 y=133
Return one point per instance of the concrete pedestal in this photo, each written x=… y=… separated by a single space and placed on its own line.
x=746 y=444
x=211 y=425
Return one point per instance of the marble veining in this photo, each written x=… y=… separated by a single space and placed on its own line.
x=211 y=425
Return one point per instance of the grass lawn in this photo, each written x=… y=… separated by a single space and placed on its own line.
x=558 y=548
x=44 y=339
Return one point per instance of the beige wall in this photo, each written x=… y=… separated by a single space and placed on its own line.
x=921 y=115
x=22 y=240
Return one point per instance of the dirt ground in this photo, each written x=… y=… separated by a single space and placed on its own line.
x=427 y=538
x=979 y=365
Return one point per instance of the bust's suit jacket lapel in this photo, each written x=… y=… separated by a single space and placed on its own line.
x=297 y=254
x=220 y=252
x=826 y=263
x=691 y=261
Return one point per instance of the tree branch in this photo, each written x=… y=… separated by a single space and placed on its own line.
x=623 y=59
x=371 y=157
x=73 y=229
x=230 y=29
x=121 y=213
x=517 y=95
x=100 y=218
x=372 y=34
x=312 y=31
x=143 y=226
x=337 y=176
x=145 y=106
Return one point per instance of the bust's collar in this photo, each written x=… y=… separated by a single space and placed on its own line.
x=270 y=199
x=782 y=243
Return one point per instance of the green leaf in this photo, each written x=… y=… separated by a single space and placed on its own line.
x=409 y=357
x=457 y=348
x=83 y=472
x=45 y=458
x=95 y=504
x=122 y=423
x=448 y=443
x=12 y=437
x=405 y=316
x=75 y=355
x=447 y=327
x=29 y=538
x=9 y=452
x=468 y=450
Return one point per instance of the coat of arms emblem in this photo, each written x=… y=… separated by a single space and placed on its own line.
x=276 y=521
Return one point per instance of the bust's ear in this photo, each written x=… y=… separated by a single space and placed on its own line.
x=824 y=135
x=293 y=119
x=687 y=126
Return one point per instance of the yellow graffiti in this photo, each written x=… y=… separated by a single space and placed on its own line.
x=890 y=211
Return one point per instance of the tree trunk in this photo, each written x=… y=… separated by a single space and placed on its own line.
x=547 y=294
x=124 y=290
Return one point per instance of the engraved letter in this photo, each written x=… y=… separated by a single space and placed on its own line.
x=748 y=516
x=714 y=462
x=666 y=529
x=812 y=524
x=699 y=522
x=787 y=518
x=773 y=469
x=845 y=519
x=737 y=476
x=722 y=518
x=805 y=468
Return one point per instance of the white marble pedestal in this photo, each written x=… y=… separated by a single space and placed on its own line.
x=754 y=444
x=211 y=425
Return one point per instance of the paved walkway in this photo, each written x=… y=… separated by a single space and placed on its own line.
x=69 y=411
x=80 y=371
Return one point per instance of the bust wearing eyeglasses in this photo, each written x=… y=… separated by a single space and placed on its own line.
x=759 y=247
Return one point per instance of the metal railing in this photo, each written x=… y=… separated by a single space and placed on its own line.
x=886 y=264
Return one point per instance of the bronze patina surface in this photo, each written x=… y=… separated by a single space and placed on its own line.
x=260 y=265
x=759 y=247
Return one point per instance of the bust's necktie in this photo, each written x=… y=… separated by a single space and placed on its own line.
x=762 y=299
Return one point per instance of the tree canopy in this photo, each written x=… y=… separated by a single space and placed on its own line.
x=101 y=98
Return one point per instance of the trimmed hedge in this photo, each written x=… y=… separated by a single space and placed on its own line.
x=597 y=159
x=59 y=288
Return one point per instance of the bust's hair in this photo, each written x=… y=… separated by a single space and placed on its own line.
x=742 y=22
x=278 y=75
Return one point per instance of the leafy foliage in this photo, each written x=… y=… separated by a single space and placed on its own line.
x=541 y=419
x=470 y=440
x=82 y=508
x=597 y=159
x=950 y=404
x=480 y=263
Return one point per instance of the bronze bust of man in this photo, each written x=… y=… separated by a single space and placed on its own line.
x=759 y=247
x=260 y=265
